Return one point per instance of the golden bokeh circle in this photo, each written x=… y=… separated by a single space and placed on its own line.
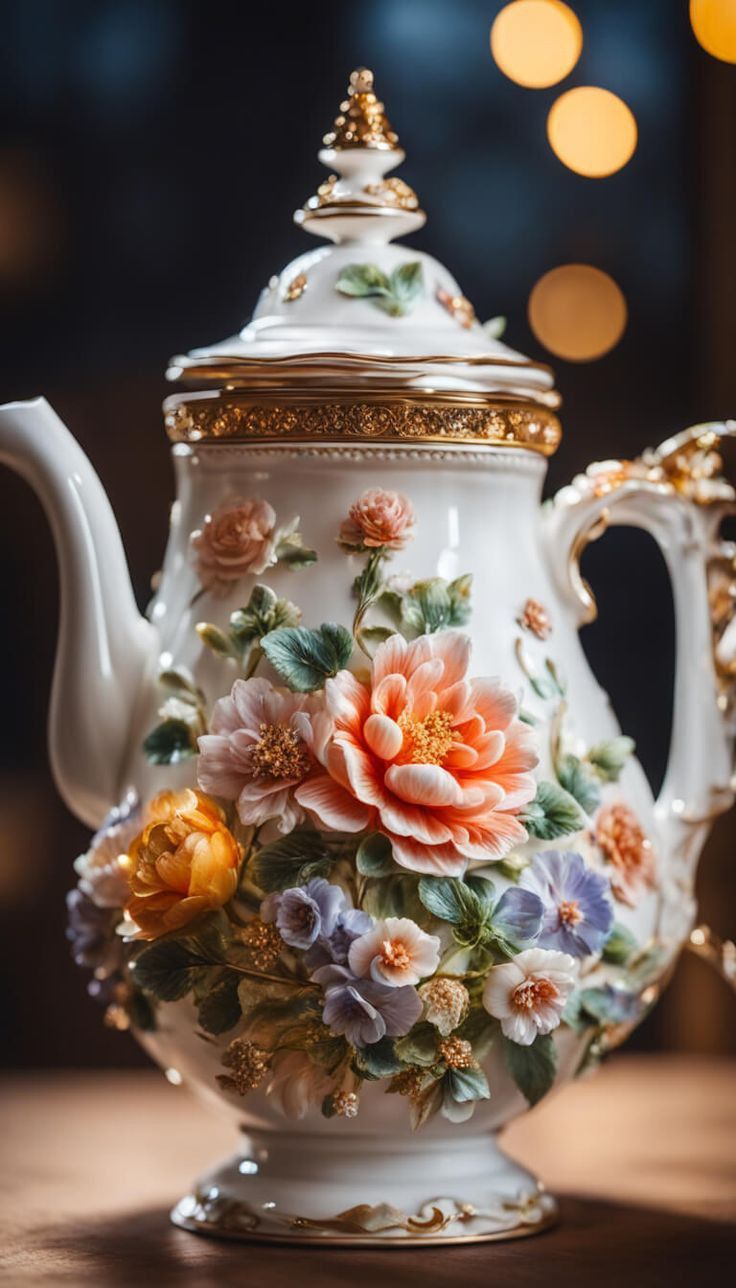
x=577 y=312
x=536 y=43
x=714 y=24
x=592 y=131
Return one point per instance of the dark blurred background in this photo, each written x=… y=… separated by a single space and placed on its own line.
x=151 y=154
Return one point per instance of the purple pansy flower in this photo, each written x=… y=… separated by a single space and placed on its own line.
x=304 y=913
x=351 y=923
x=363 y=1010
x=578 y=914
x=91 y=932
x=518 y=915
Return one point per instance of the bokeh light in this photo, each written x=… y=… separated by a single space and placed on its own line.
x=592 y=131
x=536 y=42
x=577 y=312
x=714 y=24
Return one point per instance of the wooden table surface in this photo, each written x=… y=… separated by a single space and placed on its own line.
x=643 y=1156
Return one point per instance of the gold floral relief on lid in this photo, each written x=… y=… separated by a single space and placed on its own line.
x=362 y=121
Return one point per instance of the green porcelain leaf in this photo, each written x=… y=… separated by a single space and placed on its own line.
x=609 y=758
x=379 y=1060
x=450 y=900
x=394 y=294
x=552 y=813
x=578 y=779
x=304 y=658
x=289 y=861
x=620 y=946
x=363 y=279
x=407 y=281
x=170 y=968
x=170 y=742
x=219 y=1009
x=532 y=1068
x=375 y=856
x=467 y=1084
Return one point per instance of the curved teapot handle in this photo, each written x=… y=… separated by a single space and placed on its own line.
x=677 y=493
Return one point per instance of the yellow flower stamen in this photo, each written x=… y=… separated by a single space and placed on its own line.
x=396 y=954
x=532 y=993
x=279 y=753
x=570 y=914
x=427 y=741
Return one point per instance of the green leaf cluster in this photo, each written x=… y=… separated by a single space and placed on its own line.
x=432 y=605
x=172 y=741
x=182 y=720
x=306 y=658
x=174 y=965
x=395 y=293
x=553 y=812
x=291 y=860
x=582 y=777
x=470 y=907
x=264 y=612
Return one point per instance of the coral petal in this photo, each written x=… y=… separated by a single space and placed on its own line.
x=423 y=785
x=383 y=736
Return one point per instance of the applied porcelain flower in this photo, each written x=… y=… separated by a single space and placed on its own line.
x=260 y=749
x=102 y=875
x=303 y=914
x=378 y=520
x=363 y=1010
x=578 y=914
x=436 y=761
x=627 y=849
x=184 y=863
x=528 y=994
x=395 y=952
x=236 y=539
x=297 y=1084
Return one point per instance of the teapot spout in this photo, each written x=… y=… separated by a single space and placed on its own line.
x=105 y=647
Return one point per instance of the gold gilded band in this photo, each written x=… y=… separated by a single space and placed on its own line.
x=385 y=417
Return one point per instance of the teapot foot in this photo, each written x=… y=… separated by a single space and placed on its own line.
x=288 y=1187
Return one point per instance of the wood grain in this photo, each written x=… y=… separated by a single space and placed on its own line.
x=643 y=1155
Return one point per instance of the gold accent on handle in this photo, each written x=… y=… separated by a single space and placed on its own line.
x=721 y=953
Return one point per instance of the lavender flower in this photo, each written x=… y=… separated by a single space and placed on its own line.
x=578 y=913
x=518 y=915
x=304 y=913
x=334 y=948
x=91 y=931
x=363 y=1010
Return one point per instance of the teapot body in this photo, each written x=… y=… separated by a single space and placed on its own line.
x=478 y=516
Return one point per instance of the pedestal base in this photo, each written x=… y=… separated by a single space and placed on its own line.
x=359 y=1190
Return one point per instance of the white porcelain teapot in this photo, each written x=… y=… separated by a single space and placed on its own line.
x=375 y=866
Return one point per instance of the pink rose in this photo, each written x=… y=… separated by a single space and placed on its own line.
x=237 y=539
x=378 y=519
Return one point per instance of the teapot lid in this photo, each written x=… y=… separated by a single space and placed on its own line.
x=364 y=323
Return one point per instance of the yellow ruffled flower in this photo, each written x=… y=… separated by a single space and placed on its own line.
x=184 y=863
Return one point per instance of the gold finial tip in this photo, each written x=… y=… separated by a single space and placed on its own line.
x=362 y=122
x=361 y=81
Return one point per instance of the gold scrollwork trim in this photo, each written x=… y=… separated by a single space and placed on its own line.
x=391 y=418
x=210 y=1212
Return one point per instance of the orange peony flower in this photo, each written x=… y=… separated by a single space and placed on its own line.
x=184 y=863
x=625 y=845
x=437 y=762
x=378 y=520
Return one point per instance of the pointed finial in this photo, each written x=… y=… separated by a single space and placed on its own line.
x=362 y=122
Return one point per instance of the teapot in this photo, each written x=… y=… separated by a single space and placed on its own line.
x=374 y=867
